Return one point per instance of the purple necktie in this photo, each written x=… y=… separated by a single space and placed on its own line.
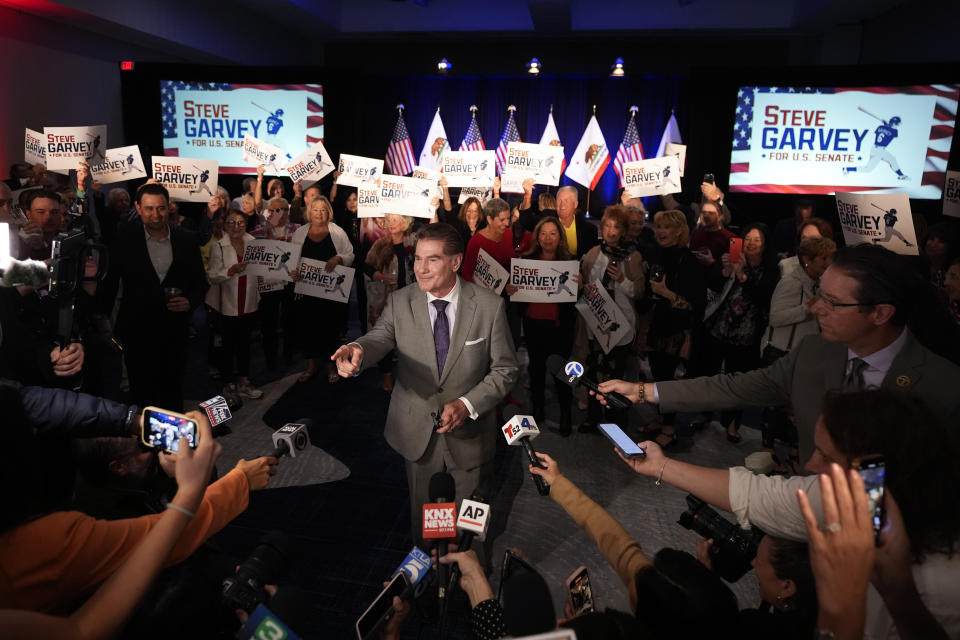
x=441 y=333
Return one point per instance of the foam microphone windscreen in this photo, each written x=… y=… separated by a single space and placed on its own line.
x=442 y=487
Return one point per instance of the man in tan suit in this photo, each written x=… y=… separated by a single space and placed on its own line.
x=455 y=358
x=866 y=297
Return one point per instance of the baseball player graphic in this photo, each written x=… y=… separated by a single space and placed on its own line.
x=271 y=162
x=338 y=285
x=321 y=163
x=883 y=136
x=668 y=180
x=131 y=164
x=95 y=150
x=608 y=332
x=283 y=263
x=203 y=186
x=561 y=283
x=890 y=219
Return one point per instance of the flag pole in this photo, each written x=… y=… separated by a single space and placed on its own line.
x=590 y=189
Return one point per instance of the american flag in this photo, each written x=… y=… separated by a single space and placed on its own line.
x=938 y=144
x=472 y=140
x=630 y=149
x=400 y=160
x=510 y=134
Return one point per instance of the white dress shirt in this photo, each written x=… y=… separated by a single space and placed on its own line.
x=161 y=253
x=878 y=362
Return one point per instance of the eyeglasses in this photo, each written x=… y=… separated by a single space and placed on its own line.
x=239 y=223
x=833 y=305
x=279 y=210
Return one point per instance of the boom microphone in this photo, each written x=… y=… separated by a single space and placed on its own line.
x=573 y=374
x=439 y=522
x=29 y=273
x=519 y=431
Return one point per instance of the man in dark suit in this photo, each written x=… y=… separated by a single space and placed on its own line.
x=163 y=280
x=581 y=235
x=455 y=357
x=864 y=303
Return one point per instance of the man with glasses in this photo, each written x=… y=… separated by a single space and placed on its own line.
x=864 y=302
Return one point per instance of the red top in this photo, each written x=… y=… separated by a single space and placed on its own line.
x=501 y=251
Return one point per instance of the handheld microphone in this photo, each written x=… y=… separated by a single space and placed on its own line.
x=439 y=520
x=573 y=374
x=417 y=566
x=291 y=439
x=519 y=431
x=217 y=410
x=472 y=522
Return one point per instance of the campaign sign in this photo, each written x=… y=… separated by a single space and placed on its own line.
x=65 y=147
x=355 y=170
x=951 y=194
x=602 y=316
x=311 y=165
x=655 y=176
x=257 y=152
x=272 y=259
x=679 y=150
x=266 y=286
x=488 y=273
x=433 y=175
x=122 y=163
x=368 y=200
x=316 y=281
x=880 y=218
x=481 y=193
x=34 y=149
x=544 y=280
x=187 y=179
x=542 y=162
x=469 y=168
x=406 y=196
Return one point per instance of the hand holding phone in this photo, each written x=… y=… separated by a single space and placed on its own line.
x=163 y=429
x=736 y=249
x=873 y=471
x=579 y=592
x=622 y=441
x=381 y=610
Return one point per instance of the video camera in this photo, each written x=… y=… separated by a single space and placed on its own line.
x=245 y=588
x=68 y=258
x=735 y=547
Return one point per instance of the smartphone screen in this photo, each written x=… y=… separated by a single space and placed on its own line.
x=736 y=249
x=623 y=442
x=873 y=470
x=512 y=565
x=163 y=429
x=381 y=610
x=581 y=595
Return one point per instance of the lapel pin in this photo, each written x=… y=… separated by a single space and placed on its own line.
x=903 y=381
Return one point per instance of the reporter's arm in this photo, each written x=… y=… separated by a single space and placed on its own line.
x=710 y=485
x=79 y=415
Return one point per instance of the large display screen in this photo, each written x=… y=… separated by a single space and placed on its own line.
x=827 y=139
x=209 y=120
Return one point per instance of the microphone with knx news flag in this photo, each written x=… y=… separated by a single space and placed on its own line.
x=520 y=431
x=439 y=520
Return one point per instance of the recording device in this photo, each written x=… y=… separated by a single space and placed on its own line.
x=579 y=592
x=245 y=588
x=622 y=441
x=617 y=254
x=736 y=249
x=573 y=373
x=520 y=431
x=68 y=257
x=472 y=522
x=292 y=439
x=873 y=472
x=439 y=520
x=735 y=548
x=708 y=178
x=25 y=273
x=381 y=610
x=163 y=429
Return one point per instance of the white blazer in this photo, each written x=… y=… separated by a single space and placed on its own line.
x=340 y=241
x=222 y=257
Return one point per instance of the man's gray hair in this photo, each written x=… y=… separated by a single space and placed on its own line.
x=569 y=189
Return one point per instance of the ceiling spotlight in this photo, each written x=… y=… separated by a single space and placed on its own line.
x=444 y=65
x=533 y=67
x=617 y=70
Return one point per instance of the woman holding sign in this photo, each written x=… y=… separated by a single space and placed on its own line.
x=276 y=298
x=239 y=302
x=620 y=271
x=322 y=239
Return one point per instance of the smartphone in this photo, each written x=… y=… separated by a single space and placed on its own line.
x=736 y=249
x=579 y=592
x=873 y=470
x=708 y=178
x=381 y=610
x=163 y=429
x=512 y=565
x=627 y=446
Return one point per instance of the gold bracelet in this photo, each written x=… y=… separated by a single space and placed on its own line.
x=662 y=467
x=643 y=393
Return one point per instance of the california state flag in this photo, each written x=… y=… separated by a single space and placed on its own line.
x=552 y=138
x=591 y=157
x=435 y=145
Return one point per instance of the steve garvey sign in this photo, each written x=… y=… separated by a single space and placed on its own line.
x=187 y=179
x=356 y=170
x=469 y=168
x=65 y=147
x=656 y=176
x=257 y=152
x=314 y=280
x=544 y=280
x=34 y=149
x=272 y=259
x=311 y=165
x=542 y=162
x=122 y=163
x=883 y=219
x=602 y=316
x=406 y=196
x=488 y=273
